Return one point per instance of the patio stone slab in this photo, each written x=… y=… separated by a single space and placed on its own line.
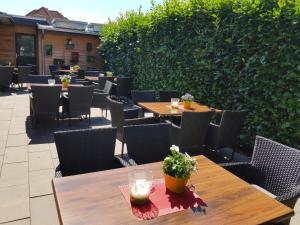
x=18 y=222
x=40 y=182
x=5 y=114
x=54 y=153
x=1 y=161
x=38 y=147
x=40 y=160
x=4 y=125
x=16 y=154
x=43 y=211
x=14 y=203
x=14 y=174
x=55 y=162
x=17 y=129
x=16 y=140
x=2 y=147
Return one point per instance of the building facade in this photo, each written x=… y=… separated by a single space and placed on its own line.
x=31 y=40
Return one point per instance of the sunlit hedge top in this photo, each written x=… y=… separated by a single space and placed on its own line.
x=228 y=54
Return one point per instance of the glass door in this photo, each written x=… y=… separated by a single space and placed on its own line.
x=25 y=49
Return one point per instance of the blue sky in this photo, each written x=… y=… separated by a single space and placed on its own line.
x=82 y=10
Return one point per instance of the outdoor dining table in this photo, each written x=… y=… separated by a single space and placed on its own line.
x=95 y=199
x=95 y=78
x=164 y=109
x=67 y=71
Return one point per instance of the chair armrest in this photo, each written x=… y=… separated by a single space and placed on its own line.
x=138 y=121
x=98 y=90
x=65 y=95
x=290 y=197
x=126 y=161
x=246 y=172
x=212 y=136
x=131 y=113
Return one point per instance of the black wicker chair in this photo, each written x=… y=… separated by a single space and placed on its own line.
x=53 y=69
x=100 y=97
x=44 y=101
x=65 y=67
x=123 y=88
x=274 y=167
x=6 y=76
x=147 y=143
x=40 y=79
x=227 y=132
x=23 y=75
x=102 y=81
x=165 y=96
x=121 y=117
x=85 y=151
x=143 y=96
x=78 y=102
x=190 y=135
x=81 y=74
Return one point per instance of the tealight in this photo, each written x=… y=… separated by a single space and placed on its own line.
x=140 y=184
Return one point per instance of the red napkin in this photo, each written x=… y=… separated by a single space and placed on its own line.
x=162 y=201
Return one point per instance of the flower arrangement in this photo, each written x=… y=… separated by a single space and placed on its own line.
x=76 y=67
x=179 y=165
x=187 y=98
x=65 y=79
x=109 y=74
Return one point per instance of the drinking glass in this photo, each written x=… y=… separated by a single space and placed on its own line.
x=140 y=184
x=51 y=81
x=175 y=102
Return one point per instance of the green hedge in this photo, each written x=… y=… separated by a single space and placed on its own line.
x=229 y=54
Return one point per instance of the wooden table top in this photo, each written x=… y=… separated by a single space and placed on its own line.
x=95 y=199
x=67 y=71
x=165 y=109
x=95 y=78
x=29 y=85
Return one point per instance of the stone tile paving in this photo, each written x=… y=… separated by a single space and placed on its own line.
x=28 y=158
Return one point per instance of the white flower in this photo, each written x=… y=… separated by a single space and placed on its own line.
x=175 y=148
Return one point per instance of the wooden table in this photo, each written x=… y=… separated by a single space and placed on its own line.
x=164 y=108
x=67 y=71
x=95 y=78
x=29 y=85
x=95 y=199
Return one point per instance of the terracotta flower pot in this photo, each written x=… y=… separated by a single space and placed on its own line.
x=174 y=184
x=187 y=104
x=65 y=84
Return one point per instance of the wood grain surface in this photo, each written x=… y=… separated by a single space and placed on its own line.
x=95 y=199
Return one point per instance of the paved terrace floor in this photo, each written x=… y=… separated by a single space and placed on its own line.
x=28 y=159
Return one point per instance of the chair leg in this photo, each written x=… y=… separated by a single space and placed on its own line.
x=89 y=119
x=122 y=151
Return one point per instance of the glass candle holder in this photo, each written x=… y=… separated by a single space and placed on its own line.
x=140 y=184
x=51 y=81
x=175 y=102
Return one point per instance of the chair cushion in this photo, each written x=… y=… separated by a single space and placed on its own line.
x=263 y=190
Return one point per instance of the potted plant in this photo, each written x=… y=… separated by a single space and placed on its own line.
x=76 y=68
x=187 y=100
x=65 y=80
x=177 y=168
